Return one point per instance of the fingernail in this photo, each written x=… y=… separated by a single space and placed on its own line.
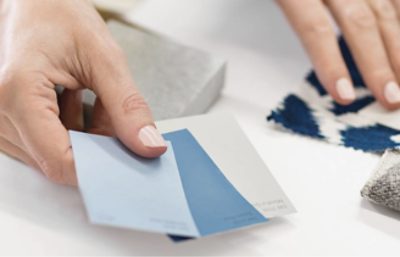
x=392 y=92
x=345 y=89
x=150 y=137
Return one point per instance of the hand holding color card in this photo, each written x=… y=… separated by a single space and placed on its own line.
x=181 y=193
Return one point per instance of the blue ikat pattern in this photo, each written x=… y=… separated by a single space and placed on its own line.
x=305 y=115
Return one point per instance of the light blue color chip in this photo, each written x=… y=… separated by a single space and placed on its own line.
x=123 y=190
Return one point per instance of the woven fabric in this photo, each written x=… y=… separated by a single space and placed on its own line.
x=384 y=185
x=362 y=125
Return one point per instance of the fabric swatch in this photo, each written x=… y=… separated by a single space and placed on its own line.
x=362 y=125
x=384 y=185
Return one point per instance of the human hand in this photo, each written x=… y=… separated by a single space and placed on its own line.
x=372 y=31
x=46 y=43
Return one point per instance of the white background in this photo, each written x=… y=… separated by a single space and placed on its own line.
x=265 y=63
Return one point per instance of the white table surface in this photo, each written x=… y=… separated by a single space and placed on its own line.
x=265 y=63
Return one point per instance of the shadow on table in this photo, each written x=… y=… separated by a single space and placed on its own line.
x=380 y=218
x=27 y=195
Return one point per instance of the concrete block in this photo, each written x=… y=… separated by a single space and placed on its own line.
x=176 y=80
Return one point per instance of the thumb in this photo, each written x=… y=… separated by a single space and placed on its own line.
x=130 y=115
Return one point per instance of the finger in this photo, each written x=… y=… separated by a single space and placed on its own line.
x=130 y=115
x=389 y=27
x=313 y=26
x=42 y=132
x=361 y=32
x=101 y=121
x=71 y=109
x=17 y=153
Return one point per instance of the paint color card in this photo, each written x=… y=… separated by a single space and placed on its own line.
x=123 y=190
x=209 y=181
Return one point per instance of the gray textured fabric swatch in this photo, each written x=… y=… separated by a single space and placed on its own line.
x=384 y=186
x=174 y=79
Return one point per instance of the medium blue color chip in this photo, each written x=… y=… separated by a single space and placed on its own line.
x=215 y=204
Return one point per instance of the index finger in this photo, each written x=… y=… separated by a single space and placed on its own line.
x=311 y=22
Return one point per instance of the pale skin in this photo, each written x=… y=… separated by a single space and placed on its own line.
x=371 y=28
x=45 y=43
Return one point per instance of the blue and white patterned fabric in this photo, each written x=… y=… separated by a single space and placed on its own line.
x=362 y=125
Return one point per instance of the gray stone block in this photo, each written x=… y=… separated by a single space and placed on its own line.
x=175 y=80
